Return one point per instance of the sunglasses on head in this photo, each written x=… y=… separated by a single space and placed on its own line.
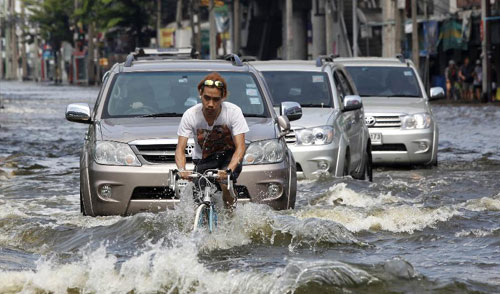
x=212 y=83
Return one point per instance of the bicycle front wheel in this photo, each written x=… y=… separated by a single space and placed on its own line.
x=200 y=217
x=205 y=216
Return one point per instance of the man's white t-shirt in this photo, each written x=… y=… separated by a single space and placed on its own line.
x=215 y=138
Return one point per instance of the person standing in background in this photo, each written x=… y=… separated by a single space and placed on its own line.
x=478 y=80
x=466 y=78
x=451 y=75
x=494 y=83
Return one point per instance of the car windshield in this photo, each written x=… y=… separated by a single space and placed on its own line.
x=310 y=89
x=170 y=94
x=385 y=81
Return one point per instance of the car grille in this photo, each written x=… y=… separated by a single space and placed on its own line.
x=386 y=121
x=389 y=147
x=290 y=138
x=159 y=193
x=146 y=193
x=160 y=153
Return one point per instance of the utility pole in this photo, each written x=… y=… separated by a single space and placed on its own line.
x=178 y=14
x=195 y=25
x=329 y=27
x=2 y=21
x=427 y=53
x=90 y=54
x=15 y=55
x=318 y=28
x=485 y=44
x=354 y=28
x=398 y=19
x=158 y=23
x=236 y=26
x=289 y=30
x=23 y=42
x=414 y=34
x=213 y=31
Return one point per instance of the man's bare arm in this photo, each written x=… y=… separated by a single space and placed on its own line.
x=180 y=155
x=239 y=142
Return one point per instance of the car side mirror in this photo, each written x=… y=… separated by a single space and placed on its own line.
x=78 y=112
x=352 y=102
x=436 y=93
x=292 y=110
x=284 y=123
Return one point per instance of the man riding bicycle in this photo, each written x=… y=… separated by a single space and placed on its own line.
x=218 y=128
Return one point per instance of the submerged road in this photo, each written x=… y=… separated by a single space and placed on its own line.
x=412 y=230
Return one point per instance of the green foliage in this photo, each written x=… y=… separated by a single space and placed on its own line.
x=57 y=18
x=53 y=19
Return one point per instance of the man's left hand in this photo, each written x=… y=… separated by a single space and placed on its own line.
x=222 y=175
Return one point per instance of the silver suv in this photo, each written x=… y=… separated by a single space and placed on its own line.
x=130 y=144
x=331 y=137
x=398 y=113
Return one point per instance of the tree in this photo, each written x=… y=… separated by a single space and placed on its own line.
x=135 y=17
x=54 y=21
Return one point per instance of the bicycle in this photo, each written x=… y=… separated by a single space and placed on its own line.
x=203 y=193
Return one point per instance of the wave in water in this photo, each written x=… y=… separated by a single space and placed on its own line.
x=173 y=270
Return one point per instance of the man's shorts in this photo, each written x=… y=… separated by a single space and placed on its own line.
x=219 y=160
x=466 y=86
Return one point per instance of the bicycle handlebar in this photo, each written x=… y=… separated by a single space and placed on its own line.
x=210 y=174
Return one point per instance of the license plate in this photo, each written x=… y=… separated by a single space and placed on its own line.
x=376 y=138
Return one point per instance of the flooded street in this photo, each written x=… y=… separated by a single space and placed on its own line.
x=410 y=231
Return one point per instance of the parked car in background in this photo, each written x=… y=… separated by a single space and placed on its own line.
x=331 y=137
x=132 y=136
x=397 y=110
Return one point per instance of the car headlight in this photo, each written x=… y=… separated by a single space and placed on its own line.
x=314 y=136
x=114 y=153
x=266 y=151
x=416 y=121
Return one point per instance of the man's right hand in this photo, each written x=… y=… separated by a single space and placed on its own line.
x=184 y=174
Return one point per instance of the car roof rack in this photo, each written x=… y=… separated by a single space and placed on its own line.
x=234 y=58
x=400 y=57
x=160 y=54
x=327 y=58
x=246 y=58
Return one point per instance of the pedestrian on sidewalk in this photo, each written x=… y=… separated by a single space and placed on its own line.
x=466 y=78
x=478 y=80
x=451 y=75
x=494 y=83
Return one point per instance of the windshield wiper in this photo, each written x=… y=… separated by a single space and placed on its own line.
x=314 y=105
x=162 y=114
x=401 y=95
x=253 y=115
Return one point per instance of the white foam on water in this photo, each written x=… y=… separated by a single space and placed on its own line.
x=340 y=194
x=259 y=223
x=246 y=222
x=10 y=210
x=483 y=204
x=397 y=219
x=23 y=109
x=171 y=269
x=476 y=233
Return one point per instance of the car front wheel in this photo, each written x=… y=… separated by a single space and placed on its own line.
x=82 y=207
x=366 y=171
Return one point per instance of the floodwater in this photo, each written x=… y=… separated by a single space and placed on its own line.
x=410 y=231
